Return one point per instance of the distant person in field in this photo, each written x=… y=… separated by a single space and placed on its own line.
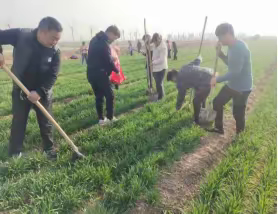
x=36 y=64
x=192 y=76
x=139 y=46
x=239 y=78
x=84 y=52
x=130 y=48
x=159 y=63
x=99 y=68
x=169 y=49
x=175 y=50
x=147 y=39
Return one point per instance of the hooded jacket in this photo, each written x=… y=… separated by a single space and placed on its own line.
x=100 y=61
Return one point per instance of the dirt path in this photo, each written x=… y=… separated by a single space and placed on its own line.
x=179 y=184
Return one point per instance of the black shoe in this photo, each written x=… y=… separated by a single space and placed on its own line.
x=51 y=154
x=216 y=130
x=196 y=123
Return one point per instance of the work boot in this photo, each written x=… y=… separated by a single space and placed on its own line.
x=51 y=154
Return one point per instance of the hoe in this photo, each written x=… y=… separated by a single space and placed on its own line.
x=77 y=154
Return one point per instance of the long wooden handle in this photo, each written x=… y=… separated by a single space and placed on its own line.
x=40 y=106
x=148 y=58
x=148 y=48
x=216 y=61
x=203 y=33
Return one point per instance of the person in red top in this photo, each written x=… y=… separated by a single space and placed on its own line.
x=84 y=52
x=116 y=79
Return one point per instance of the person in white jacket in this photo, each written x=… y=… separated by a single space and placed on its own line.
x=159 y=63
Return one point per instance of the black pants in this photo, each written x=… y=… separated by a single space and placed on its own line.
x=239 y=106
x=199 y=100
x=175 y=55
x=20 y=109
x=169 y=54
x=149 y=78
x=103 y=88
x=159 y=77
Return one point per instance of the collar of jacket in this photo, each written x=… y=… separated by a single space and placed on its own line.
x=35 y=38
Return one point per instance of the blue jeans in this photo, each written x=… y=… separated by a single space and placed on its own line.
x=84 y=58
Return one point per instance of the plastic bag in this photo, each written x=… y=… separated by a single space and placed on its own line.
x=117 y=79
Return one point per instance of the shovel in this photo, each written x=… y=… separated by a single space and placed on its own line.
x=149 y=65
x=45 y=112
x=208 y=115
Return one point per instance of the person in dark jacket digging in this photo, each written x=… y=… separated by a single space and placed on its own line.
x=99 y=68
x=36 y=64
x=192 y=76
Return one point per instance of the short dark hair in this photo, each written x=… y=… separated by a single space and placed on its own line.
x=155 y=37
x=146 y=36
x=223 y=29
x=171 y=74
x=114 y=29
x=49 y=23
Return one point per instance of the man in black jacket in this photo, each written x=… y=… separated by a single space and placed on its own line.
x=192 y=76
x=36 y=64
x=100 y=66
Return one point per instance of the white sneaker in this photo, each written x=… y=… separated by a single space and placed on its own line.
x=114 y=119
x=103 y=122
x=17 y=156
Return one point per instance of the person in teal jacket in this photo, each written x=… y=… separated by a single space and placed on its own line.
x=239 y=78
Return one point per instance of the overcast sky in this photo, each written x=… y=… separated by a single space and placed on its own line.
x=166 y=17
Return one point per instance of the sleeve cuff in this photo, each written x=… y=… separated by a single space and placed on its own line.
x=40 y=92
